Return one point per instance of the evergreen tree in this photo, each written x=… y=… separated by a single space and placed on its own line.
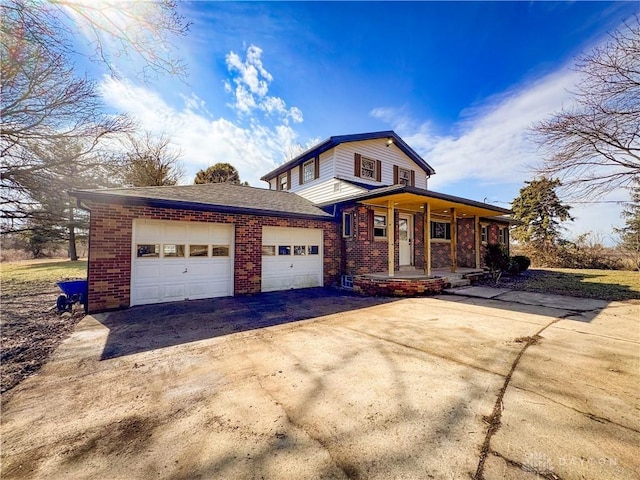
x=219 y=173
x=540 y=211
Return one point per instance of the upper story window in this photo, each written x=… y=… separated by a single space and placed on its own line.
x=404 y=176
x=283 y=182
x=368 y=168
x=308 y=171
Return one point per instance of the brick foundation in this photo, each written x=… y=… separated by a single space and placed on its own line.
x=398 y=287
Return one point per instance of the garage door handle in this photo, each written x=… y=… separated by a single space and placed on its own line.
x=291 y=266
x=185 y=271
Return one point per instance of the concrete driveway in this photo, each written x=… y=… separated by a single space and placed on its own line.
x=319 y=384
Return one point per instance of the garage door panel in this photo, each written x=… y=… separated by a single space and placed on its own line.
x=147 y=231
x=283 y=272
x=162 y=279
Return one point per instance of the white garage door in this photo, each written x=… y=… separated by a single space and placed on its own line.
x=180 y=261
x=291 y=258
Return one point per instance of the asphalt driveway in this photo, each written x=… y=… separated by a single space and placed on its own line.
x=319 y=384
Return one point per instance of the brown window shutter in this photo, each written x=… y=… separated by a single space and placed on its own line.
x=301 y=174
x=357 y=159
x=316 y=168
x=288 y=179
x=378 y=170
x=369 y=224
x=413 y=178
x=395 y=175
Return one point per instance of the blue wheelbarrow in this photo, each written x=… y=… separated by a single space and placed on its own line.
x=74 y=291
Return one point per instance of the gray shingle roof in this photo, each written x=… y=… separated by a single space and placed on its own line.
x=222 y=197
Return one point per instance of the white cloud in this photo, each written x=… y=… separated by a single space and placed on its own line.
x=252 y=85
x=492 y=145
x=493 y=151
x=203 y=139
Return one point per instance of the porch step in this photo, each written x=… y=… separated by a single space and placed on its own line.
x=409 y=268
x=459 y=282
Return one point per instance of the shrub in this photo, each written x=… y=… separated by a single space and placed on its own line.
x=497 y=260
x=519 y=264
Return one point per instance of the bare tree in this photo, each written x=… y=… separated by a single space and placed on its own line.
x=42 y=106
x=593 y=145
x=46 y=105
x=151 y=161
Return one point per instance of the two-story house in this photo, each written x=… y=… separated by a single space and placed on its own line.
x=353 y=205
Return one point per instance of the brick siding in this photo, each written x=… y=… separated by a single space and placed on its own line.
x=362 y=254
x=398 y=288
x=110 y=241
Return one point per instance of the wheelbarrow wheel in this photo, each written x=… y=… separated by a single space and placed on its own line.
x=61 y=303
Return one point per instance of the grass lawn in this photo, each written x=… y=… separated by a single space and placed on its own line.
x=24 y=278
x=604 y=284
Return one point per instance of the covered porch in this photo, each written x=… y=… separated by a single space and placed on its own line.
x=426 y=233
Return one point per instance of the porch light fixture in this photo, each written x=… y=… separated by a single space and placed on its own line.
x=389 y=142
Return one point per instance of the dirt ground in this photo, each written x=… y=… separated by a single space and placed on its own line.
x=31 y=331
x=319 y=384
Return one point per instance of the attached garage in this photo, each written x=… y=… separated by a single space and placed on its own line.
x=174 y=261
x=165 y=244
x=291 y=258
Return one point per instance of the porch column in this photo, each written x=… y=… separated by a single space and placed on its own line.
x=477 y=238
x=427 y=239
x=454 y=241
x=391 y=236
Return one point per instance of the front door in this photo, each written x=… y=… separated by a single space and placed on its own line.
x=405 y=232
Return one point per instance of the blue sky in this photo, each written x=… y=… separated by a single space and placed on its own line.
x=460 y=81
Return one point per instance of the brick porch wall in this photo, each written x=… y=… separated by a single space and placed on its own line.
x=109 y=271
x=364 y=255
x=466 y=248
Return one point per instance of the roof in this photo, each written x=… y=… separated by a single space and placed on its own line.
x=332 y=142
x=217 y=197
x=402 y=189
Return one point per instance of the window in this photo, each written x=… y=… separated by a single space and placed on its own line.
x=368 y=168
x=284 y=250
x=347 y=282
x=440 y=231
x=404 y=176
x=379 y=226
x=282 y=182
x=172 y=250
x=502 y=235
x=269 y=250
x=219 y=250
x=314 y=250
x=148 y=250
x=484 y=234
x=308 y=171
x=198 y=250
x=347 y=225
x=299 y=250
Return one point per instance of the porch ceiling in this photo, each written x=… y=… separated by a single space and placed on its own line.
x=415 y=202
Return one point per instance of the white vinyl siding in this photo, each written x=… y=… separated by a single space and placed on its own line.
x=378 y=150
x=338 y=163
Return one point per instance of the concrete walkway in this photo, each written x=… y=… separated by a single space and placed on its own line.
x=531 y=298
x=318 y=384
